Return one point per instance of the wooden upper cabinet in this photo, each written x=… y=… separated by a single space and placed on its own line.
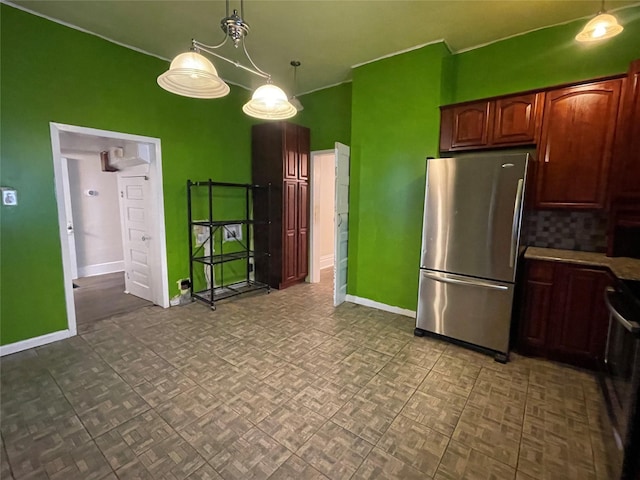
x=501 y=122
x=625 y=181
x=465 y=126
x=515 y=119
x=576 y=145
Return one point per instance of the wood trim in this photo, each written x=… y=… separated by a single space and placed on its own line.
x=538 y=90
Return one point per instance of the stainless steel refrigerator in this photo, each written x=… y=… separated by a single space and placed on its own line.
x=470 y=243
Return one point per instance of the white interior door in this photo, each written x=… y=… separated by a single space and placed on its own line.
x=341 y=219
x=68 y=212
x=136 y=241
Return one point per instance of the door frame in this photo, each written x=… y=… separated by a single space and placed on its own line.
x=161 y=292
x=71 y=241
x=314 y=270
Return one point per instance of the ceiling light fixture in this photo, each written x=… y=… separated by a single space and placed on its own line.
x=193 y=75
x=294 y=100
x=603 y=26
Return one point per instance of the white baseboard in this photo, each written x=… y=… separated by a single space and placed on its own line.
x=380 y=306
x=326 y=261
x=101 y=269
x=34 y=342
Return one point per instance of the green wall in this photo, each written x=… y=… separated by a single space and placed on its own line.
x=395 y=120
x=388 y=115
x=539 y=59
x=51 y=73
x=395 y=125
x=327 y=113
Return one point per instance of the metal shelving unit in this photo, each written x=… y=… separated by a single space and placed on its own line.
x=199 y=254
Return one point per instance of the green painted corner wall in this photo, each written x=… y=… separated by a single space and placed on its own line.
x=394 y=127
x=51 y=73
x=388 y=115
x=327 y=113
x=395 y=120
x=538 y=59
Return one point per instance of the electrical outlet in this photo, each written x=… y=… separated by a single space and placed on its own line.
x=232 y=232
x=9 y=196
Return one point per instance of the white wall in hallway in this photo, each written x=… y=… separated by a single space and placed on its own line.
x=96 y=219
x=326 y=206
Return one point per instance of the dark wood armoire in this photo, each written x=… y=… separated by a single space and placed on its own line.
x=280 y=156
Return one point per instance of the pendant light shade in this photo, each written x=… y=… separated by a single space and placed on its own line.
x=269 y=102
x=296 y=104
x=599 y=28
x=192 y=75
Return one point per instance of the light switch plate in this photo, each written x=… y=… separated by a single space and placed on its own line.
x=9 y=196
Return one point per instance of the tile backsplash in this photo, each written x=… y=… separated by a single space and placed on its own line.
x=584 y=231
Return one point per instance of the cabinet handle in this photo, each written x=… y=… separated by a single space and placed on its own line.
x=471 y=283
x=517 y=207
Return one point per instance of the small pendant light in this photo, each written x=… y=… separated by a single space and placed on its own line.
x=603 y=26
x=269 y=102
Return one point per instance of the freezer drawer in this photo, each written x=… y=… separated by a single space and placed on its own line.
x=465 y=308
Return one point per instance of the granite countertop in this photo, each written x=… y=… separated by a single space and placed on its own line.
x=622 y=267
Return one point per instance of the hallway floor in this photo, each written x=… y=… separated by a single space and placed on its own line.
x=284 y=386
x=102 y=296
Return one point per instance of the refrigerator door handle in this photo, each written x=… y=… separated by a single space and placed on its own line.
x=473 y=283
x=517 y=208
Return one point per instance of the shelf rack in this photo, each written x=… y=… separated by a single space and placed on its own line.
x=217 y=289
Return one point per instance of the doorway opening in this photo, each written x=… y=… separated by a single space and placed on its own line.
x=329 y=219
x=111 y=222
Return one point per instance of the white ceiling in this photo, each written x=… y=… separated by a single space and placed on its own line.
x=327 y=36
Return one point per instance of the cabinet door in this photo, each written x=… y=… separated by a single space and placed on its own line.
x=289 y=227
x=303 y=153
x=626 y=163
x=578 y=129
x=579 y=317
x=465 y=126
x=290 y=151
x=515 y=119
x=534 y=326
x=303 y=229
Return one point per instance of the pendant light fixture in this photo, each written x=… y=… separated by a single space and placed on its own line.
x=192 y=75
x=294 y=100
x=601 y=27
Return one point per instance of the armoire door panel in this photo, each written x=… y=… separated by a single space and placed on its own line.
x=289 y=257
x=280 y=156
x=303 y=229
x=303 y=153
x=289 y=207
x=290 y=152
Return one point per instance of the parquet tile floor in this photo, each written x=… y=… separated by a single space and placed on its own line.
x=285 y=386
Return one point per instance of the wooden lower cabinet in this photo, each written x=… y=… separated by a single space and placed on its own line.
x=563 y=315
x=538 y=287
